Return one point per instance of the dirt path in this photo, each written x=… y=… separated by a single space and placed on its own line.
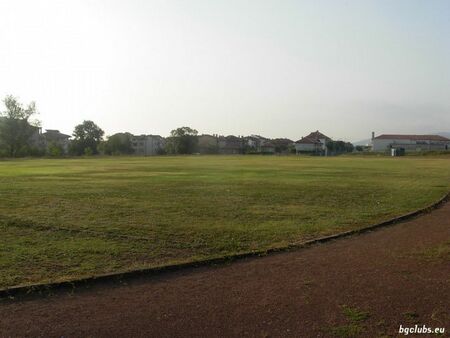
x=365 y=285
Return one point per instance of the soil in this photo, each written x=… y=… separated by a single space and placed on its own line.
x=365 y=285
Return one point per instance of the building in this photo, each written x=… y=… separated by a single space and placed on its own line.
x=53 y=138
x=255 y=143
x=208 y=144
x=410 y=143
x=148 y=145
x=231 y=145
x=36 y=140
x=315 y=142
x=268 y=148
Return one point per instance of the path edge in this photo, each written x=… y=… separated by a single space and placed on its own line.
x=121 y=276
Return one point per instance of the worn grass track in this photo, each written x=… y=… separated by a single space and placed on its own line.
x=69 y=218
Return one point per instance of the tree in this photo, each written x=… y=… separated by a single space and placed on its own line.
x=87 y=137
x=282 y=145
x=182 y=140
x=170 y=146
x=16 y=127
x=339 y=147
x=118 y=144
x=349 y=147
x=55 y=150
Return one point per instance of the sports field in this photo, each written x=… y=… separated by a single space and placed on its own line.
x=69 y=218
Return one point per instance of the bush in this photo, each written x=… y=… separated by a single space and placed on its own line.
x=55 y=150
x=88 y=151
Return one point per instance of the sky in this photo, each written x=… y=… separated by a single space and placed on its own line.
x=274 y=68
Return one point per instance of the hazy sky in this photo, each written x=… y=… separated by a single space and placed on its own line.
x=276 y=68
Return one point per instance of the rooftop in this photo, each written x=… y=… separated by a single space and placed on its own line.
x=308 y=140
x=411 y=137
x=313 y=138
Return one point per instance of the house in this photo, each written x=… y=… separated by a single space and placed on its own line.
x=36 y=140
x=53 y=138
x=315 y=142
x=268 y=148
x=230 y=144
x=410 y=143
x=254 y=143
x=208 y=144
x=148 y=145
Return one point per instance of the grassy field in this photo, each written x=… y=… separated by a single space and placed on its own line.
x=68 y=218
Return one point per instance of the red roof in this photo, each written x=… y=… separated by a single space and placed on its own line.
x=412 y=137
x=313 y=138
x=317 y=135
x=308 y=140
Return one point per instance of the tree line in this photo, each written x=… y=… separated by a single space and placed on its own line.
x=19 y=133
x=19 y=136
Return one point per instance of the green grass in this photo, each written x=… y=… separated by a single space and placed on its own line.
x=69 y=218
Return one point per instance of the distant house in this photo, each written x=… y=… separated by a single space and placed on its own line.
x=268 y=148
x=254 y=143
x=230 y=144
x=208 y=144
x=148 y=145
x=53 y=137
x=410 y=143
x=315 y=142
x=36 y=140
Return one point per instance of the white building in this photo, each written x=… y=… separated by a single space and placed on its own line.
x=148 y=145
x=409 y=143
